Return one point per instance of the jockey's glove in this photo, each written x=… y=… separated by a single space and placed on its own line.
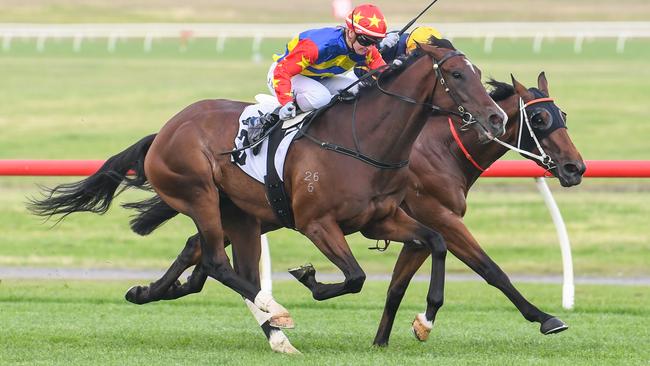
x=287 y=111
x=389 y=41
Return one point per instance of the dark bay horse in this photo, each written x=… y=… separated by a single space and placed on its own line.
x=439 y=200
x=438 y=188
x=186 y=166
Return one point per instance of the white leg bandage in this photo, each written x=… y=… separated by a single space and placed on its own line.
x=260 y=316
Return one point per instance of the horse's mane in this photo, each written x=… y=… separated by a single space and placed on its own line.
x=500 y=90
x=407 y=61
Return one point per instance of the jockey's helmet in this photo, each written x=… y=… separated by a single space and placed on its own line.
x=367 y=20
x=421 y=35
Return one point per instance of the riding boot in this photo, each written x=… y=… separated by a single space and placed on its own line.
x=258 y=128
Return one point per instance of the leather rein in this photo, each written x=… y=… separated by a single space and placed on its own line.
x=466 y=117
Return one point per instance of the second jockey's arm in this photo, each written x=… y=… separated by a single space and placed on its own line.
x=303 y=55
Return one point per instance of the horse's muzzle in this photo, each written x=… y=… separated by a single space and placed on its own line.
x=570 y=173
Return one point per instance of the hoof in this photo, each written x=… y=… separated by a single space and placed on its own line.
x=421 y=327
x=280 y=343
x=134 y=295
x=283 y=321
x=303 y=272
x=552 y=326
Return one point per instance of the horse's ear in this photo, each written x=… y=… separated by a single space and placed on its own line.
x=426 y=47
x=542 y=83
x=519 y=87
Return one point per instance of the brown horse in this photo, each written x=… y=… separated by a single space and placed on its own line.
x=186 y=166
x=439 y=200
x=435 y=198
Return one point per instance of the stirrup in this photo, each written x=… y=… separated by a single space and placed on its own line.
x=259 y=128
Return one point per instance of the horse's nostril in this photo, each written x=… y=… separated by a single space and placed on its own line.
x=573 y=168
x=496 y=120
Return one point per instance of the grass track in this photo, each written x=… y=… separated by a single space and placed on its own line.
x=77 y=323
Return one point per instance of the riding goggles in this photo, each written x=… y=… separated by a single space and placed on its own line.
x=367 y=41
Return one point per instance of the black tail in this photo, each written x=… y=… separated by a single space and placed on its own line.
x=152 y=213
x=95 y=193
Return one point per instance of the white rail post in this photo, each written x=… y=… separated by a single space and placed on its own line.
x=112 y=42
x=40 y=42
x=257 y=45
x=148 y=43
x=568 y=288
x=265 y=266
x=620 y=43
x=6 y=42
x=577 y=44
x=76 y=42
x=221 y=41
x=487 y=45
x=537 y=43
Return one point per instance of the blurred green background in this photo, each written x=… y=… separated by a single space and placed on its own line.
x=58 y=104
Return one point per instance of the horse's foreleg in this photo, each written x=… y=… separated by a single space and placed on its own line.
x=409 y=261
x=401 y=227
x=329 y=239
x=168 y=286
x=465 y=247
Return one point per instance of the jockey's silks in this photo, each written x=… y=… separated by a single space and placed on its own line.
x=318 y=54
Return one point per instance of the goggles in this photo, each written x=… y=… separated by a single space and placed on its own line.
x=367 y=41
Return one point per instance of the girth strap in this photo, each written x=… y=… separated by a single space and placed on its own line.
x=275 y=193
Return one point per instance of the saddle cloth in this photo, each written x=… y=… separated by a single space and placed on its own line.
x=255 y=165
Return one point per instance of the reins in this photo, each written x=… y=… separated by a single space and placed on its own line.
x=467 y=117
x=357 y=154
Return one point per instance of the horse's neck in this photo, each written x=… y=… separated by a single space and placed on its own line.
x=486 y=154
x=385 y=125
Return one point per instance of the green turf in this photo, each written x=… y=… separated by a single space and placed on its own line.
x=81 y=323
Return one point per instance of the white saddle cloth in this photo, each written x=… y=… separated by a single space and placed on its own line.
x=255 y=165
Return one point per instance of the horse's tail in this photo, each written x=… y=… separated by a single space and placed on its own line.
x=152 y=213
x=95 y=193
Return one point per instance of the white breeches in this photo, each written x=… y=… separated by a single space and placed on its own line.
x=311 y=94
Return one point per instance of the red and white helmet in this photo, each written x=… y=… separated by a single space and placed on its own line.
x=368 y=20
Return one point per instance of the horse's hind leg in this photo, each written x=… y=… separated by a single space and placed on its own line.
x=328 y=237
x=409 y=261
x=401 y=227
x=168 y=287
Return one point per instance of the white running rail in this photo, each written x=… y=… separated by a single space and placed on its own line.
x=538 y=31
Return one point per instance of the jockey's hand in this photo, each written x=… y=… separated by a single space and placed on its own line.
x=389 y=41
x=287 y=111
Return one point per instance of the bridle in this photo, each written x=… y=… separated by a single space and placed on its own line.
x=543 y=157
x=461 y=112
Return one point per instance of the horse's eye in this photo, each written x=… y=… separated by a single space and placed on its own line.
x=538 y=120
x=456 y=75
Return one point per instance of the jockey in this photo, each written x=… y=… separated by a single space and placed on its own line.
x=406 y=43
x=315 y=63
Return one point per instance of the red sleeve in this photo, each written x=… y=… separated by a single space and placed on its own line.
x=304 y=54
x=374 y=59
